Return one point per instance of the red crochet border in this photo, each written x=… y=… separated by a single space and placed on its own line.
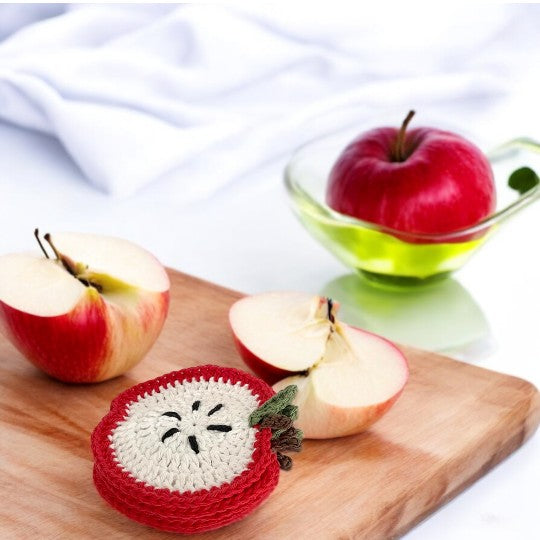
x=184 y=512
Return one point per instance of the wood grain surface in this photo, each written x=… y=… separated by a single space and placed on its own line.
x=453 y=423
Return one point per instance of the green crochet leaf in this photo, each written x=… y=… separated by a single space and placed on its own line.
x=291 y=411
x=276 y=434
x=276 y=404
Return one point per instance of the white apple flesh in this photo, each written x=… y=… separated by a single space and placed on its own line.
x=87 y=327
x=347 y=378
x=358 y=379
x=280 y=333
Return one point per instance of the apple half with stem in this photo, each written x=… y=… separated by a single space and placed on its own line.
x=347 y=378
x=87 y=312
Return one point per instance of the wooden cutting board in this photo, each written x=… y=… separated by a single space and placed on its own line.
x=453 y=423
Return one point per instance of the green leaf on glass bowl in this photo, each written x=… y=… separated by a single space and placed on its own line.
x=523 y=180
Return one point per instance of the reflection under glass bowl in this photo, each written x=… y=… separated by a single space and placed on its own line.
x=443 y=317
x=386 y=255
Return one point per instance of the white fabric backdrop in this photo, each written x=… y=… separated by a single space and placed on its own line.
x=137 y=94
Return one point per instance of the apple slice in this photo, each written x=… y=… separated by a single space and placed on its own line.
x=347 y=378
x=281 y=333
x=90 y=313
x=359 y=378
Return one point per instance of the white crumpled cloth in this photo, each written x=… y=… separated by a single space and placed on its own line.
x=204 y=94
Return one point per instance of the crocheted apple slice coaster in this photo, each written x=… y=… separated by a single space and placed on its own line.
x=195 y=449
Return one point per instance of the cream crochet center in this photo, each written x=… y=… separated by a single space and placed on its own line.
x=179 y=438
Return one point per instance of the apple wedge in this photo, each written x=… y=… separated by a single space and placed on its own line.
x=88 y=313
x=347 y=378
x=278 y=334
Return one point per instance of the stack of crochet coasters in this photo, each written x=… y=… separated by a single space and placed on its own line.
x=195 y=449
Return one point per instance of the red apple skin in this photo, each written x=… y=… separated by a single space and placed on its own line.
x=96 y=341
x=267 y=372
x=444 y=184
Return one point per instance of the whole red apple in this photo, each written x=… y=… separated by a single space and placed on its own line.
x=422 y=180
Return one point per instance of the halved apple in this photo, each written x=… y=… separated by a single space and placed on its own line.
x=347 y=378
x=88 y=314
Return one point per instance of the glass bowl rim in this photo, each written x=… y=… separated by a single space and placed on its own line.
x=295 y=188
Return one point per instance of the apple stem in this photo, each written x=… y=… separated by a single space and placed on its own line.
x=36 y=234
x=66 y=262
x=289 y=440
x=285 y=462
x=59 y=257
x=399 y=149
x=276 y=421
x=330 y=305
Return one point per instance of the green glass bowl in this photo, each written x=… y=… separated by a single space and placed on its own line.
x=386 y=255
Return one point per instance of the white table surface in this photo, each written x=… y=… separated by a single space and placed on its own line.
x=246 y=238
